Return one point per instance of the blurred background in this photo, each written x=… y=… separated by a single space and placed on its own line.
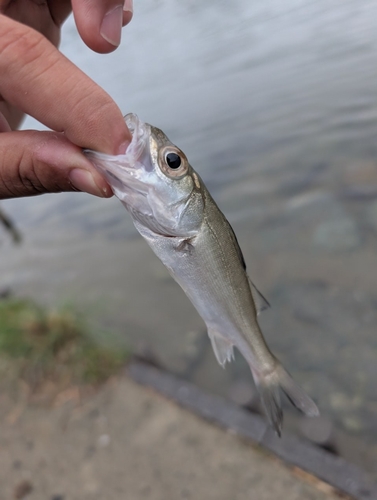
x=275 y=105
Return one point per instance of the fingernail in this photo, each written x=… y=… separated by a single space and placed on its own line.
x=4 y=125
x=123 y=147
x=128 y=6
x=111 y=27
x=83 y=181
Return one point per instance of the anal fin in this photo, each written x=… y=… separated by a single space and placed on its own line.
x=222 y=348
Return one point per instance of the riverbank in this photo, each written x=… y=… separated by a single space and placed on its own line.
x=127 y=441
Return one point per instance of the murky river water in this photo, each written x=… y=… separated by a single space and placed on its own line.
x=275 y=104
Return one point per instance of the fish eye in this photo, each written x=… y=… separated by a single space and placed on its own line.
x=173 y=160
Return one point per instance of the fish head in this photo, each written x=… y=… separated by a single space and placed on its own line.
x=154 y=180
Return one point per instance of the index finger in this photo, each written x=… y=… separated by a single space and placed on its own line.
x=36 y=78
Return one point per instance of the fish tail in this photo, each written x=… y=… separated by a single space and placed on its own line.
x=269 y=387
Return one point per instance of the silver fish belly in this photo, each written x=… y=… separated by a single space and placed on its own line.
x=174 y=212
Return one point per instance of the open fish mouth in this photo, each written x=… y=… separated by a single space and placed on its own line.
x=125 y=173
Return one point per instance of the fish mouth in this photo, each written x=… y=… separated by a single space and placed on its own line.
x=125 y=173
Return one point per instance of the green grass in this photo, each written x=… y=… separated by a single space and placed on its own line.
x=41 y=345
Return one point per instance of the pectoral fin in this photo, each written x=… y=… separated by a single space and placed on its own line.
x=222 y=348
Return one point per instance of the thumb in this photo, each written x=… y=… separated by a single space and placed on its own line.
x=33 y=162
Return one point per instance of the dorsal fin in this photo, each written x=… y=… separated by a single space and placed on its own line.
x=237 y=246
x=261 y=303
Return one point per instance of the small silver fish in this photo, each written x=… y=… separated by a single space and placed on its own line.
x=174 y=212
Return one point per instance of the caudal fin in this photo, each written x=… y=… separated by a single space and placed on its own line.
x=269 y=388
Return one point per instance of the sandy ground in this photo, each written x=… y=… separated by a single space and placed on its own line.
x=128 y=442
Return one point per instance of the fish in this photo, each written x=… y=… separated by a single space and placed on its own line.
x=175 y=213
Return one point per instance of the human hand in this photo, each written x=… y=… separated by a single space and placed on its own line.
x=35 y=78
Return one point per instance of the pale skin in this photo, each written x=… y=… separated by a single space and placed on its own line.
x=35 y=78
